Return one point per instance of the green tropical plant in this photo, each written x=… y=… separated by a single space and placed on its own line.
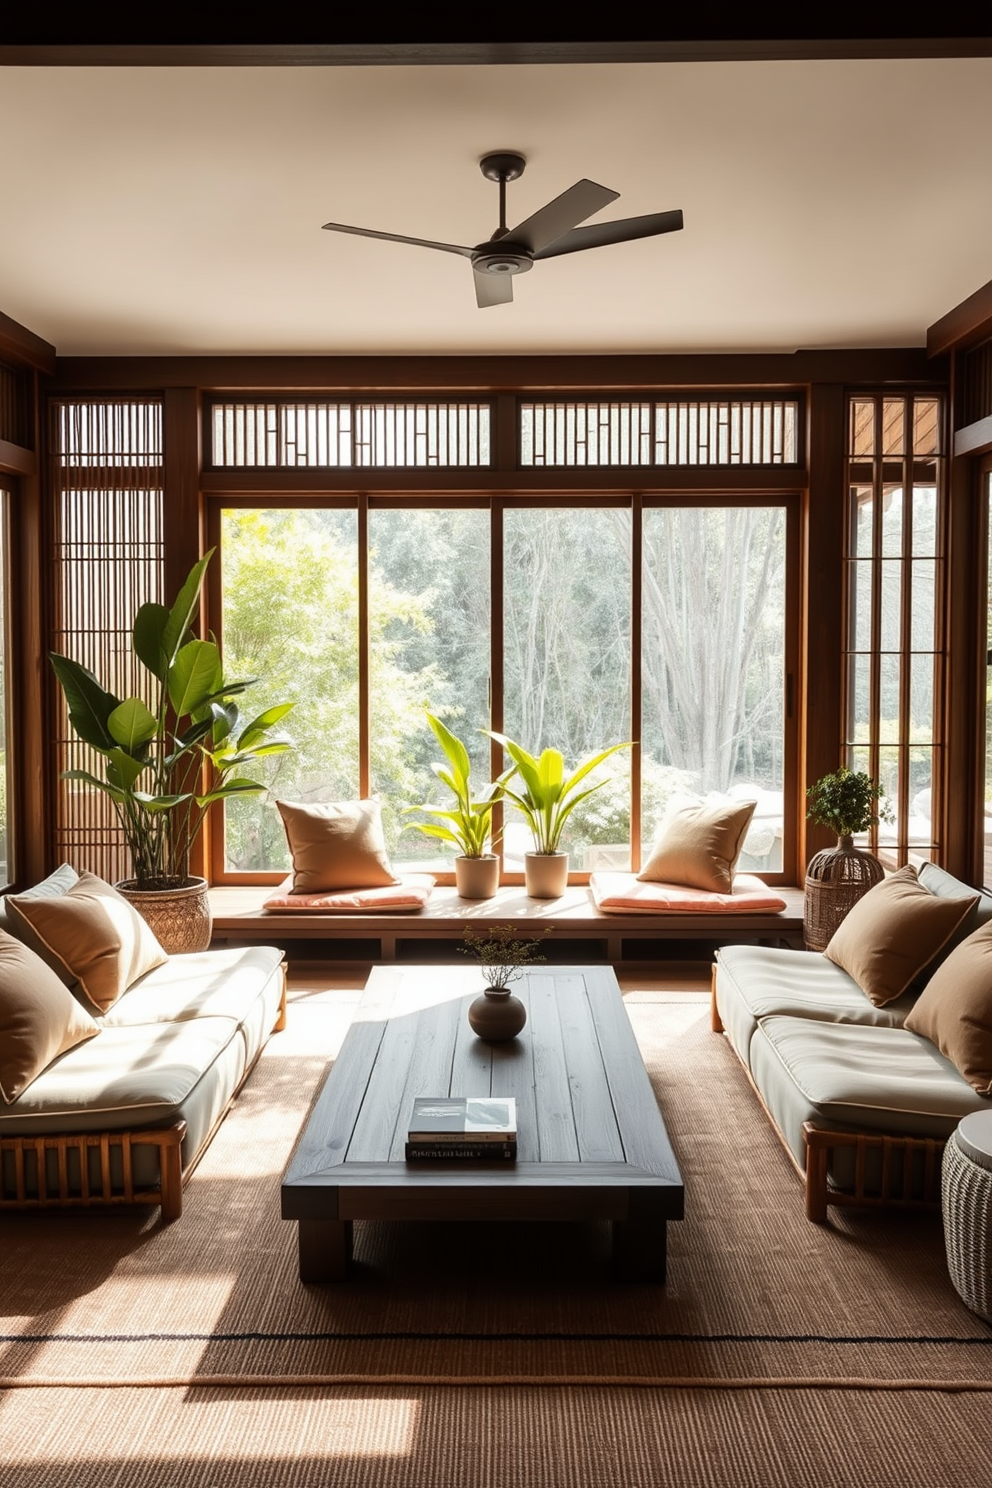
x=548 y=797
x=157 y=759
x=469 y=826
x=847 y=802
x=501 y=952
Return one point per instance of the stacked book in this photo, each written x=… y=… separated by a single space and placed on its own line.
x=463 y=1128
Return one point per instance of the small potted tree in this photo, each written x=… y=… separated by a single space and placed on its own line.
x=468 y=826
x=546 y=799
x=496 y=1015
x=847 y=802
x=166 y=763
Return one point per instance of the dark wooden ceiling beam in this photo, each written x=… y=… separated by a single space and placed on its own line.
x=966 y=325
x=29 y=52
x=20 y=347
x=488 y=374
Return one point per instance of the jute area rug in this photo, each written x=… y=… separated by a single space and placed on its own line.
x=777 y=1352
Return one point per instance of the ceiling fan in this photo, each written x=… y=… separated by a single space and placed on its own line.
x=547 y=233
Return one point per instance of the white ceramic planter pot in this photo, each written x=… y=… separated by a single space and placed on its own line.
x=477 y=878
x=546 y=874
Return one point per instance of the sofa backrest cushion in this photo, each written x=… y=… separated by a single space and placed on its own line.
x=336 y=845
x=954 y=1010
x=52 y=887
x=39 y=1017
x=100 y=941
x=699 y=843
x=893 y=932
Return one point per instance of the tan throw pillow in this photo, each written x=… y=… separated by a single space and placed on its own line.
x=699 y=844
x=101 y=941
x=39 y=1017
x=336 y=845
x=954 y=1010
x=890 y=935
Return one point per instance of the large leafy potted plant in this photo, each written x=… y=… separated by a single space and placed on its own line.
x=846 y=801
x=468 y=826
x=546 y=799
x=167 y=762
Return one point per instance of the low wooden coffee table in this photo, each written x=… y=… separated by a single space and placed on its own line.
x=591 y=1142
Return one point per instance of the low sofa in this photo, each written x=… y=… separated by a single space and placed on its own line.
x=123 y=1116
x=862 y=1104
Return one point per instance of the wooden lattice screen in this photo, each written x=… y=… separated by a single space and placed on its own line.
x=108 y=555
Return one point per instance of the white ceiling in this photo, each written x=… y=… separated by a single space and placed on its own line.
x=178 y=210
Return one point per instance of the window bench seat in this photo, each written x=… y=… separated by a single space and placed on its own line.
x=239 y=918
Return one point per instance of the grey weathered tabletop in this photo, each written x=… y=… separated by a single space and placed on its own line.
x=591 y=1140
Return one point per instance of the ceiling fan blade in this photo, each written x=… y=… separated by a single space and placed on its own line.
x=492 y=289
x=600 y=234
x=551 y=221
x=369 y=232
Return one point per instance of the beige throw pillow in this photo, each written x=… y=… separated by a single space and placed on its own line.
x=336 y=845
x=94 y=933
x=39 y=1017
x=891 y=934
x=954 y=1010
x=699 y=844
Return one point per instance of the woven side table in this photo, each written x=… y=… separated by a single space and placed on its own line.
x=966 y=1190
x=836 y=879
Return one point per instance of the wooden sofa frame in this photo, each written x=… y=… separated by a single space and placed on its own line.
x=168 y=1193
x=901 y=1158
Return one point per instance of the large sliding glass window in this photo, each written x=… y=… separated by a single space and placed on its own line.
x=714 y=665
x=572 y=622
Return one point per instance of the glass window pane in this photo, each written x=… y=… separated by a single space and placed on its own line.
x=921 y=674
x=566 y=649
x=290 y=618
x=920 y=824
x=892 y=513
x=926 y=426
x=891 y=617
x=862 y=431
x=863 y=511
x=923 y=609
x=894 y=426
x=925 y=521
x=891 y=761
x=429 y=611
x=860 y=621
x=713 y=664
x=888 y=723
x=860 y=699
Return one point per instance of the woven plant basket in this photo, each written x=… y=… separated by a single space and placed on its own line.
x=180 y=919
x=835 y=880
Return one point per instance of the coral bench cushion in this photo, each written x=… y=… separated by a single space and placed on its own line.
x=623 y=893
x=408 y=893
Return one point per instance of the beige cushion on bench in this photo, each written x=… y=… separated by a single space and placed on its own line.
x=409 y=893
x=625 y=893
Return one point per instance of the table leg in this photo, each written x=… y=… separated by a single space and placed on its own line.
x=325 y=1249
x=640 y=1249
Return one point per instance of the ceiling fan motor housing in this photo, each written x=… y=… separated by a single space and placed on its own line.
x=503 y=261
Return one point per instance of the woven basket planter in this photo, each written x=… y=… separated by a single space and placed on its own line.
x=966 y=1191
x=180 y=919
x=835 y=880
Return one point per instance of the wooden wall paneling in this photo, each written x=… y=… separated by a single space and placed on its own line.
x=33 y=682
x=822 y=716
x=183 y=526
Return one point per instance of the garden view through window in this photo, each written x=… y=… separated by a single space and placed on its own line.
x=548 y=590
